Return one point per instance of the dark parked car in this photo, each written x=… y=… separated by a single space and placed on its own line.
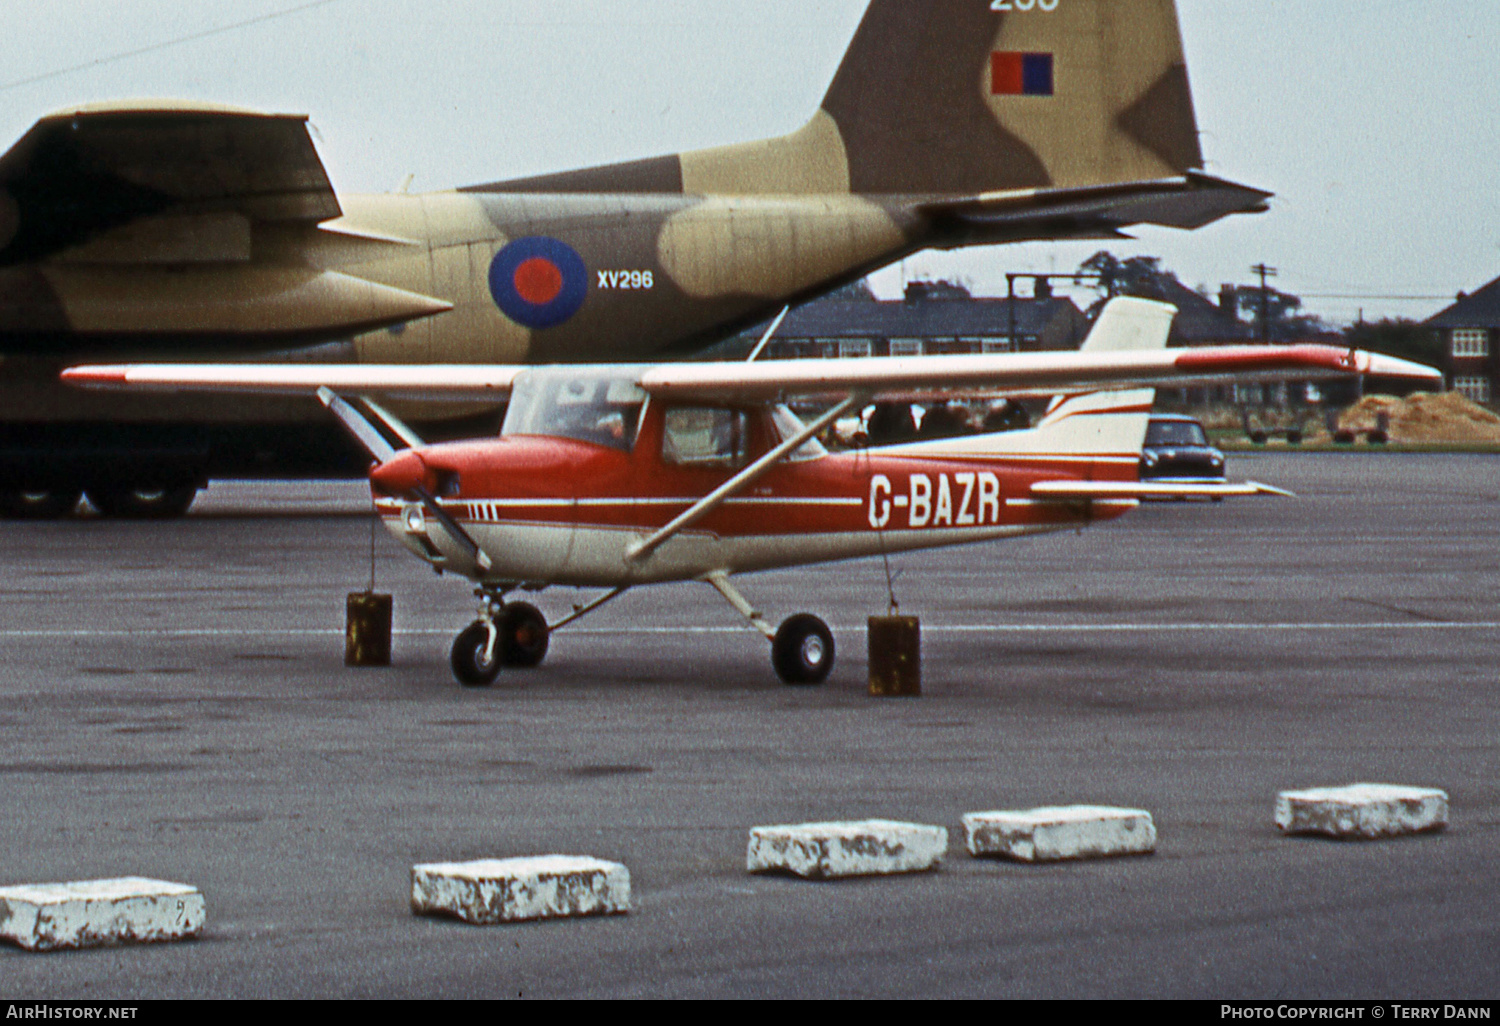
x=1177 y=448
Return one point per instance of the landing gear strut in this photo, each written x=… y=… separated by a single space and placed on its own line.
x=512 y=635
x=802 y=650
x=475 y=657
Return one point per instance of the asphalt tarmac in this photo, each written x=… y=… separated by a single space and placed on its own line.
x=173 y=703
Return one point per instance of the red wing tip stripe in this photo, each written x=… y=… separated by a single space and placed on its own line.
x=95 y=375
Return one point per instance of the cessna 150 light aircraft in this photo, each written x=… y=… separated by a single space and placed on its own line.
x=621 y=476
x=155 y=230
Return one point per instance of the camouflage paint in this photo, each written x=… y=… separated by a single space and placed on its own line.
x=145 y=229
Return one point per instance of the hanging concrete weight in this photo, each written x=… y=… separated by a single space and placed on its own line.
x=895 y=657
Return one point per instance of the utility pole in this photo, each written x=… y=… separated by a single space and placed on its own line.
x=1265 y=273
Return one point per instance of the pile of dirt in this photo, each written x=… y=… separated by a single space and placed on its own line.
x=1424 y=418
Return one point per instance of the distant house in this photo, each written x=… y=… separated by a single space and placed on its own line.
x=933 y=319
x=1470 y=330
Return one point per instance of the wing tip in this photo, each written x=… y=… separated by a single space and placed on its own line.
x=86 y=376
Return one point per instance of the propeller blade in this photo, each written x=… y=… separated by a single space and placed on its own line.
x=363 y=431
x=432 y=506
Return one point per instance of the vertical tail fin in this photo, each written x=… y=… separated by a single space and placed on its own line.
x=1131 y=324
x=965 y=97
x=1107 y=426
x=1124 y=325
x=961 y=98
x=974 y=96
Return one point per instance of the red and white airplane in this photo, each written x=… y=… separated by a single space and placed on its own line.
x=614 y=477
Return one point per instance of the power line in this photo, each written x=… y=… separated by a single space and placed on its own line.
x=1376 y=296
x=195 y=37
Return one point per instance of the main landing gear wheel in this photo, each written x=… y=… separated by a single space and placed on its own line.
x=523 y=636
x=38 y=503
x=803 y=651
x=470 y=664
x=144 y=503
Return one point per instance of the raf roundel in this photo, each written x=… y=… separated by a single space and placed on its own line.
x=539 y=283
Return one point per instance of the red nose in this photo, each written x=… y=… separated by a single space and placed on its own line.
x=403 y=474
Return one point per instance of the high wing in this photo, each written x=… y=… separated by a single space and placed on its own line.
x=1022 y=374
x=413 y=382
x=875 y=378
x=82 y=173
x=1126 y=350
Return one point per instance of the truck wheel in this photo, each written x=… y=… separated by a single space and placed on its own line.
x=38 y=503
x=165 y=503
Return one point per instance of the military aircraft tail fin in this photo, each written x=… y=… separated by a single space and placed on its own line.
x=963 y=98
x=975 y=96
x=971 y=97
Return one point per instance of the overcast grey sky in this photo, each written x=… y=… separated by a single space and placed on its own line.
x=1373 y=120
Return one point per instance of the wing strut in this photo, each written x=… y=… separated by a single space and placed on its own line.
x=380 y=450
x=766 y=338
x=740 y=481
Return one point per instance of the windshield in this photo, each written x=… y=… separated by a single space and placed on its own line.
x=602 y=407
x=1173 y=432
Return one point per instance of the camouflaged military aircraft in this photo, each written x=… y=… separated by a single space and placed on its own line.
x=145 y=230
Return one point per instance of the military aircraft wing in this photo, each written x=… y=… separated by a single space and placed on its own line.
x=81 y=173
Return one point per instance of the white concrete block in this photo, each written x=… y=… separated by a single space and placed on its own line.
x=823 y=851
x=1061 y=834
x=1362 y=811
x=517 y=890
x=94 y=913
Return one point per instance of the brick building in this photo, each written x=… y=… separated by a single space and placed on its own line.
x=933 y=319
x=1469 y=331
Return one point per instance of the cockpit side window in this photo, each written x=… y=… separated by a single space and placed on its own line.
x=706 y=436
x=601 y=408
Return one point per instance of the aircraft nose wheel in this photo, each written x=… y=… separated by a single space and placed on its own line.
x=803 y=651
x=476 y=662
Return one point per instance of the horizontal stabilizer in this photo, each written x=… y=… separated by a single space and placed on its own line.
x=1082 y=491
x=1190 y=202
